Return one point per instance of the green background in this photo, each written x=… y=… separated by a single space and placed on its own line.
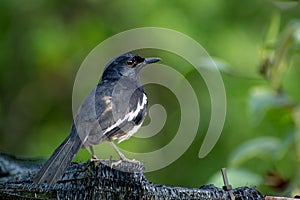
x=43 y=43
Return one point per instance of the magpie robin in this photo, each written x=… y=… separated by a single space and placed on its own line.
x=113 y=110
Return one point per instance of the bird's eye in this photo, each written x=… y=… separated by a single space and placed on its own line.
x=130 y=62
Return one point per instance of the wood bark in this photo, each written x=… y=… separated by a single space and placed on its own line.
x=97 y=180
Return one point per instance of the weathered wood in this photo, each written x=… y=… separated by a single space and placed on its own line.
x=279 y=198
x=97 y=180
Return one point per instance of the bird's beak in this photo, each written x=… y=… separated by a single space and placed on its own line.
x=151 y=60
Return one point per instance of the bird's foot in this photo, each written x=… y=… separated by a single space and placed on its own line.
x=94 y=158
x=133 y=161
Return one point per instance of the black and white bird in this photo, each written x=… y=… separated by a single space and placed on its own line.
x=113 y=110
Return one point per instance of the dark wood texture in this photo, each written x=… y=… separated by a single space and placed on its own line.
x=97 y=180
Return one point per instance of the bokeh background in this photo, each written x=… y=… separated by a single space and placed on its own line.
x=254 y=43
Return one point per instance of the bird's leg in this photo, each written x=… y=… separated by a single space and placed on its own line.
x=122 y=156
x=94 y=157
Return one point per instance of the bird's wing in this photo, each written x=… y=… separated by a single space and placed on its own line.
x=133 y=117
x=109 y=112
x=96 y=105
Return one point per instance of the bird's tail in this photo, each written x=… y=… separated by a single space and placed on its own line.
x=57 y=164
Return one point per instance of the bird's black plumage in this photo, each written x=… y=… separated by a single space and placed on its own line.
x=113 y=110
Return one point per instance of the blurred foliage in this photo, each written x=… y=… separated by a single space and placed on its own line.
x=255 y=44
x=273 y=106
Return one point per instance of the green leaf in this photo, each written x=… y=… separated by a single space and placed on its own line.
x=263 y=99
x=263 y=147
x=285 y=145
x=296 y=117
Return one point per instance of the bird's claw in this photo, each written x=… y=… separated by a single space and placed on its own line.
x=94 y=158
x=116 y=163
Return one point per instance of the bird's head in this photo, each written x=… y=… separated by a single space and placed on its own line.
x=127 y=66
